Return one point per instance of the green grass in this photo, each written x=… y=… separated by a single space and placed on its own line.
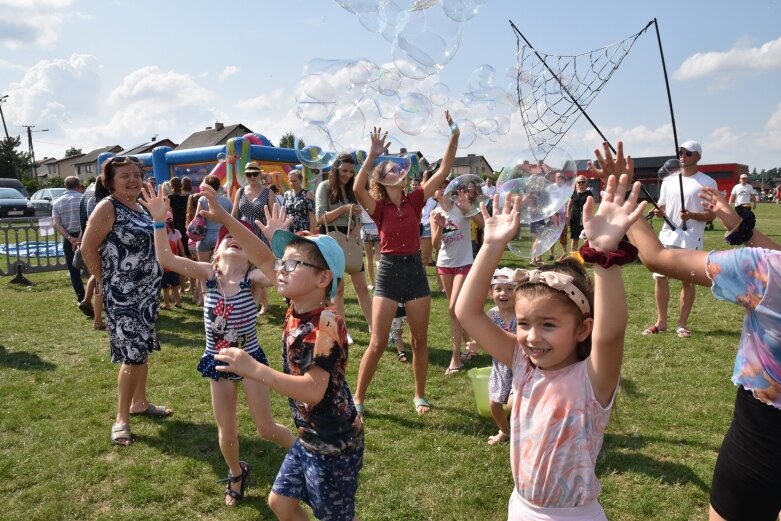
x=59 y=397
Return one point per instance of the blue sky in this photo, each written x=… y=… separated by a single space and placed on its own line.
x=108 y=72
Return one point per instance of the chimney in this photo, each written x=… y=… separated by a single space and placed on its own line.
x=402 y=150
x=218 y=125
x=208 y=128
x=470 y=155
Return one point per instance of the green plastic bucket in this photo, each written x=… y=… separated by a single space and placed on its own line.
x=478 y=376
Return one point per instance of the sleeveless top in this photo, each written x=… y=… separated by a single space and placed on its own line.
x=253 y=210
x=230 y=321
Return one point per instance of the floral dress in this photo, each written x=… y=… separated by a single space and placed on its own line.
x=131 y=286
x=298 y=205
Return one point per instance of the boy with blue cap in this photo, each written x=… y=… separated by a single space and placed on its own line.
x=322 y=467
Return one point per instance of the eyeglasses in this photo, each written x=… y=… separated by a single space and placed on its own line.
x=290 y=265
x=251 y=174
x=684 y=152
x=580 y=182
x=121 y=160
x=390 y=170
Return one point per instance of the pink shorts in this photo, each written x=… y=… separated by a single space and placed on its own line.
x=460 y=270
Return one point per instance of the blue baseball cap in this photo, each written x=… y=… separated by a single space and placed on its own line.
x=328 y=247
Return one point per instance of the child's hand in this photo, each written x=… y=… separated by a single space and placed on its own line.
x=615 y=215
x=462 y=201
x=379 y=146
x=503 y=226
x=610 y=167
x=715 y=202
x=215 y=212
x=276 y=220
x=157 y=205
x=454 y=130
x=236 y=361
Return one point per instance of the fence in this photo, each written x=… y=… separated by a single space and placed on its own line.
x=29 y=245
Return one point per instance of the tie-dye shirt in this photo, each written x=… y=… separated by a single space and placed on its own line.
x=556 y=431
x=751 y=277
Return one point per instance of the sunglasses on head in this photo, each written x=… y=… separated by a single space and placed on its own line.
x=121 y=160
x=684 y=152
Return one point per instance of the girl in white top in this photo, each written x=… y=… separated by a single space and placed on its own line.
x=565 y=359
x=451 y=235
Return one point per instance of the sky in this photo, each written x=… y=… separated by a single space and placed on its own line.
x=99 y=73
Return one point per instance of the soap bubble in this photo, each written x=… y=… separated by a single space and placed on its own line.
x=408 y=67
x=221 y=156
x=362 y=6
x=535 y=238
x=414 y=113
x=544 y=179
x=387 y=105
x=461 y=10
x=391 y=169
x=439 y=94
x=468 y=133
x=428 y=37
x=389 y=82
x=670 y=167
x=466 y=193
x=313 y=145
x=346 y=127
x=482 y=83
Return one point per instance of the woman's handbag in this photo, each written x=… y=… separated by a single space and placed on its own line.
x=351 y=246
x=196 y=230
x=78 y=260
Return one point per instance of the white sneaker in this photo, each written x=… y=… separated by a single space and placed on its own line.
x=349 y=340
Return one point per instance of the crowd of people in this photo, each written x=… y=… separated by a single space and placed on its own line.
x=556 y=337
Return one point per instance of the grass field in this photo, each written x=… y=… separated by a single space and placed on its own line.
x=59 y=396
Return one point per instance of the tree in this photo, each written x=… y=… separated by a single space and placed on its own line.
x=73 y=151
x=12 y=162
x=288 y=140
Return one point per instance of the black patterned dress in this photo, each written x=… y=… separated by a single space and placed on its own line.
x=131 y=286
x=298 y=206
x=252 y=210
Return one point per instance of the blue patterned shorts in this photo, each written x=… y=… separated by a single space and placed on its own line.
x=326 y=483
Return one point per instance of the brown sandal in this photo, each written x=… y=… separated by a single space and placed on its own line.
x=229 y=492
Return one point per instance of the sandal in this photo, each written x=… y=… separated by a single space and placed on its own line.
x=467 y=355
x=236 y=496
x=121 y=435
x=421 y=406
x=154 y=411
x=454 y=370
x=401 y=356
x=653 y=330
x=99 y=327
x=500 y=437
x=683 y=332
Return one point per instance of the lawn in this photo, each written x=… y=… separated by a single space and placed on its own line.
x=59 y=392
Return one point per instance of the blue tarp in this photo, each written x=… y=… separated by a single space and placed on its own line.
x=33 y=249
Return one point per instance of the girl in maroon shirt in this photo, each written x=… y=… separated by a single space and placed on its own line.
x=401 y=277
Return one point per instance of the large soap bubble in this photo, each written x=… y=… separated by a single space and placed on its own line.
x=461 y=10
x=313 y=145
x=362 y=6
x=543 y=178
x=387 y=105
x=346 y=127
x=466 y=193
x=392 y=168
x=428 y=37
x=535 y=238
x=414 y=113
x=389 y=81
x=439 y=94
x=481 y=83
x=670 y=167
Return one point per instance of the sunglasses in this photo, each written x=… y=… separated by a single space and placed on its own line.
x=290 y=265
x=390 y=170
x=684 y=152
x=252 y=174
x=580 y=182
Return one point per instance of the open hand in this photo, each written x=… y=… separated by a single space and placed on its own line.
x=503 y=226
x=615 y=215
x=379 y=146
x=215 y=212
x=716 y=203
x=276 y=219
x=608 y=166
x=454 y=130
x=236 y=361
x=157 y=205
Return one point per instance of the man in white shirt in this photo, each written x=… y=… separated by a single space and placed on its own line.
x=695 y=216
x=489 y=190
x=743 y=196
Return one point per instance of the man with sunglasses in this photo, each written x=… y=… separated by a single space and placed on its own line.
x=695 y=215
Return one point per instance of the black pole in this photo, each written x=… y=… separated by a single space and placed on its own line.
x=672 y=115
x=582 y=111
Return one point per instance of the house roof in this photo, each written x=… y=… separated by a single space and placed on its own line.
x=71 y=158
x=92 y=156
x=149 y=146
x=212 y=136
x=469 y=160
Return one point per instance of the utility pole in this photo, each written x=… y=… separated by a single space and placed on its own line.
x=30 y=143
x=3 y=99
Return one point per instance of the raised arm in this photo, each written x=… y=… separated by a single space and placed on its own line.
x=235 y=210
x=361 y=181
x=435 y=181
x=499 y=230
x=715 y=202
x=157 y=206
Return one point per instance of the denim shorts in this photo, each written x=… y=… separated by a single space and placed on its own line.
x=401 y=278
x=170 y=278
x=326 y=483
x=425 y=231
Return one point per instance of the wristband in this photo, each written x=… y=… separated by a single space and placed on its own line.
x=159 y=225
x=625 y=254
x=453 y=128
x=742 y=232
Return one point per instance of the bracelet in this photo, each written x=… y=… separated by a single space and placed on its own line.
x=159 y=225
x=625 y=254
x=742 y=232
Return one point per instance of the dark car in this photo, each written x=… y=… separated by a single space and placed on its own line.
x=42 y=200
x=14 y=204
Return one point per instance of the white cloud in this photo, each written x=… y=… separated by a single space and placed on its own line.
x=25 y=22
x=763 y=58
x=274 y=99
x=228 y=71
x=771 y=139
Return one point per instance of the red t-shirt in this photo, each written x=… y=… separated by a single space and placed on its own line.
x=399 y=226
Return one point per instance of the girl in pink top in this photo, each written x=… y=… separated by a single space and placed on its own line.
x=401 y=276
x=565 y=355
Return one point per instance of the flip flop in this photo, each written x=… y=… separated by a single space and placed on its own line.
x=454 y=370
x=421 y=402
x=121 y=435
x=653 y=330
x=154 y=411
x=683 y=332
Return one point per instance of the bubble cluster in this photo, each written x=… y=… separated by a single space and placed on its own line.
x=465 y=192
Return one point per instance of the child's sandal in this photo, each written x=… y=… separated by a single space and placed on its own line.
x=243 y=478
x=401 y=356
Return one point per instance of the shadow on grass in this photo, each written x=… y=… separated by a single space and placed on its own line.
x=618 y=456
x=198 y=441
x=24 y=361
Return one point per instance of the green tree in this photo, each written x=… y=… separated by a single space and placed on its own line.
x=288 y=140
x=73 y=151
x=13 y=163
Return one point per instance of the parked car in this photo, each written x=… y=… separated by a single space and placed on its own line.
x=14 y=204
x=42 y=200
x=15 y=184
